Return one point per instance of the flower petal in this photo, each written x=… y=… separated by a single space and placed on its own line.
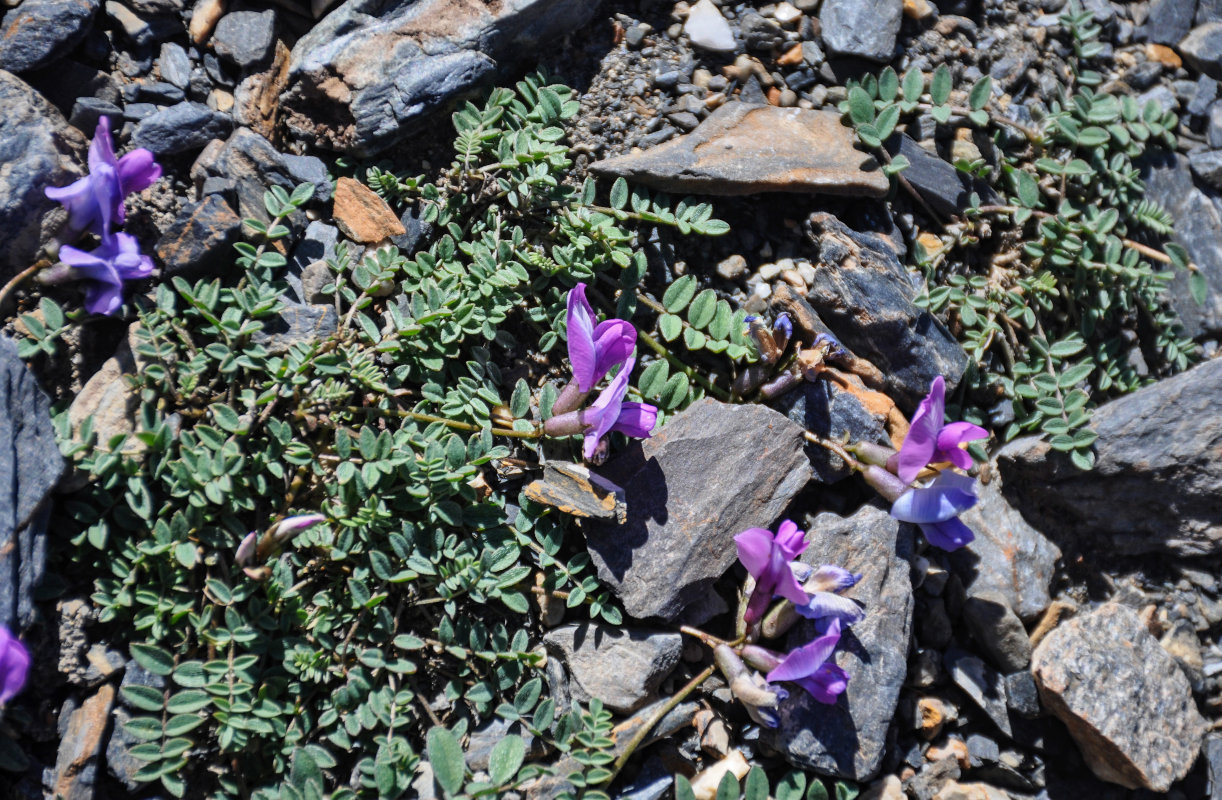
x=604 y=412
x=102 y=148
x=828 y=683
x=137 y=171
x=944 y=498
x=754 y=549
x=791 y=540
x=14 y=665
x=952 y=436
x=614 y=341
x=803 y=661
x=922 y=440
x=636 y=420
x=580 y=325
x=948 y=535
x=830 y=578
x=827 y=604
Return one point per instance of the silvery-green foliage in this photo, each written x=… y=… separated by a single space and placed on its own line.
x=756 y=786
x=1047 y=316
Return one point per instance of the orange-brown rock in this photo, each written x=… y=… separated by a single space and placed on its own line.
x=746 y=149
x=791 y=57
x=361 y=215
x=257 y=97
x=81 y=745
x=1163 y=55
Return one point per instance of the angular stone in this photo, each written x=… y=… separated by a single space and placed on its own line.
x=37 y=32
x=361 y=215
x=175 y=65
x=177 y=129
x=256 y=100
x=311 y=170
x=848 y=739
x=825 y=408
x=1202 y=49
x=707 y=29
x=984 y=685
x=200 y=242
x=38 y=149
x=30 y=466
x=747 y=149
x=1124 y=699
x=368 y=74
x=1207 y=165
x=120 y=763
x=76 y=765
x=998 y=630
x=112 y=401
x=1157 y=475
x=864 y=28
x=864 y=294
x=297 y=323
x=1168 y=21
x=245 y=38
x=683 y=516
x=1213 y=758
x=622 y=667
x=1008 y=556
x=946 y=189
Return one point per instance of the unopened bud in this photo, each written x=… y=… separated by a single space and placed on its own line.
x=886 y=484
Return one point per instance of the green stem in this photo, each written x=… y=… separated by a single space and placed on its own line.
x=692 y=375
x=666 y=708
x=20 y=278
x=453 y=423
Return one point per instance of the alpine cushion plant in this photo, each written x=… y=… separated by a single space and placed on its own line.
x=115 y=260
x=14 y=665
x=767 y=559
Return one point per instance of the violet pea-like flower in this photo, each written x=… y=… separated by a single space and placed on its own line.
x=104 y=269
x=930 y=440
x=810 y=667
x=594 y=350
x=823 y=587
x=95 y=202
x=768 y=559
x=14 y=665
x=935 y=506
x=609 y=412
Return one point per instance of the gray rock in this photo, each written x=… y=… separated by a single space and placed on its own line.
x=1208 y=11
x=1157 y=477
x=486 y=737
x=1008 y=556
x=161 y=93
x=1207 y=165
x=1213 y=130
x=825 y=408
x=622 y=667
x=943 y=187
x=368 y=74
x=88 y=110
x=1125 y=701
x=255 y=165
x=200 y=242
x=120 y=762
x=135 y=112
x=1197 y=220
x=245 y=38
x=1204 y=96
x=311 y=170
x=682 y=516
x=136 y=30
x=297 y=323
x=933 y=626
x=864 y=294
x=175 y=65
x=1164 y=99
x=1213 y=759
x=30 y=466
x=1202 y=49
x=81 y=744
x=37 y=32
x=998 y=630
x=1168 y=21
x=66 y=80
x=982 y=684
x=1022 y=696
x=316 y=245
x=38 y=149
x=179 y=128
x=865 y=28
x=848 y=739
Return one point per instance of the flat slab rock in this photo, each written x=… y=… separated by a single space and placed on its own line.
x=622 y=667
x=1157 y=478
x=711 y=472
x=746 y=149
x=1124 y=699
x=848 y=739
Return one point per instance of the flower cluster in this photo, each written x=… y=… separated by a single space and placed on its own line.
x=14 y=664
x=95 y=204
x=595 y=350
x=812 y=593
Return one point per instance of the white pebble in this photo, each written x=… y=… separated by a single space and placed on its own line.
x=708 y=29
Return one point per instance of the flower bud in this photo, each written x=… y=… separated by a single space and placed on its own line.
x=871 y=453
x=886 y=484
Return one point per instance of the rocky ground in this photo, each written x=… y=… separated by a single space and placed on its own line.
x=1073 y=651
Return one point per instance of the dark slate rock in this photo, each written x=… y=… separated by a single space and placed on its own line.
x=120 y=762
x=943 y=187
x=1213 y=759
x=175 y=65
x=180 y=128
x=415 y=231
x=216 y=71
x=37 y=32
x=1207 y=165
x=227 y=188
x=864 y=294
x=38 y=149
x=367 y=74
x=1208 y=11
x=984 y=685
x=485 y=738
x=246 y=38
x=682 y=516
x=1164 y=99
x=864 y=28
x=1124 y=699
x=135 y=112
x=1202 y=49
x=1144 y=75
x=827 y=409
x=69 y=80
x=1009 y=556
x=136 y=30
x=1010 y=70
x=998 y=630
x=1197 y=222
x=88 y=110
x=760 y=33
x=1157 y=481
x=160 y=92
x=1022 y=696
x=298 y=323
x=200 y=242
x=256 y=166
x=622 y=667
x=848 y=739
x=30 y=466
x=311 y=170
x=1168 y=21
x=1204 y=96
x=316 y=244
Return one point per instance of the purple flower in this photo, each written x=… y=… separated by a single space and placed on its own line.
x=767 y=558
x=96 y=201
x=595 y=349
x=14 y=664
x=936 y=508
x=276 y=535
x=809 y=667
x=115 y=260
x=931 y=441
x=761 y=699
x=823 y=587
x=610 y=412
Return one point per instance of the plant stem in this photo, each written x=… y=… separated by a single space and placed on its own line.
x=20 y=278
x=666 y=708
x=835 y=447
x=453 y=423
x=693 y=375
x=707 y=638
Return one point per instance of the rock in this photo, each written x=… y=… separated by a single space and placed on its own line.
x=177 y=129
x=361 y=215
x=37 y=32
x=998 y=630
x=982 y=684
x=943 y=187
x=1208 y=11
x=864 y=294
x=136 y=30
x=368 y=74
x=746 y=149
x=76 y=765
x=1157 y=475
x=486 y=737
x=1022 y=696
x=102 y=664
x=257 y=97
x=707 y=29
x=848 y=739
x=200 y=242
x=66 y=81
x=111 y=400
x=1125 y=701
x=311 y=170
x=30 y=466
x=174 y=65
x=826 y=408
x=953 y=790
x=732 y=268
x=120 y=763
x=1168 y=21
x=1207 y=165
x=864 y=28
x=88 y=110
x=245 y=38
x=1202 y=49
x=888 y=788
x=38 y=149
x=255 y=166
x=1008 y=557
x=1213 y=758
x=622 y=667
x=297 y=324
x=682 y=517
x=1182 y=644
